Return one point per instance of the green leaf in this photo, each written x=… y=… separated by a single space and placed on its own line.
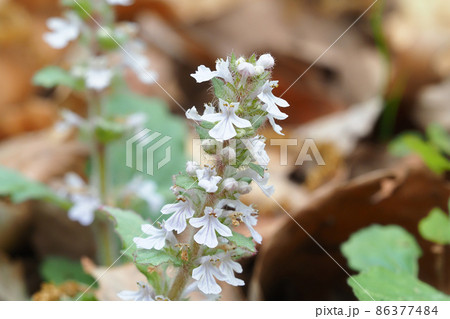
x=390 y=247
x=436 y=227
x=159 y=120
x=219 y=88
x=59 y=270
x=429 y=153
x=108 y=131
x=186 y=181
x=52 y=76
x=19 y=189
x=128 y=225
x=257 y=168
x=382 y=284
x=242 y=241
x=439 y=137
x=152 y=257
x=202 y=132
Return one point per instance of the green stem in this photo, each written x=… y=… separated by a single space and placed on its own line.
x=440 y=266
x=183 y=274
x=106 y=241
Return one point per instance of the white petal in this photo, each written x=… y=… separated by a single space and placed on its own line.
x=266 y=61
x=221 y=228
x=239 y=122
x=192 y=114
x=120 y=2
x=203 y=74
x=128 y=295
x=98 y=79
x=222 y=131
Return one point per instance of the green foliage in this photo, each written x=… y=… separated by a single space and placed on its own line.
x=58 y=270
x=52 y=76
x=202 y=132
x=439 y=137
x=436 y=227
x=186 y=181
x=108 y=131
x=257 y=168
x=387 y=258
x=219 y=88
x=128 y=226
x=153 y=257
x=390 y=247
x=19 y=189
x=242 y=241
x=383 y=284
x=431 y=151
x=160 y=120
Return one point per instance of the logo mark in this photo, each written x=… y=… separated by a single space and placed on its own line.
x=137 y=143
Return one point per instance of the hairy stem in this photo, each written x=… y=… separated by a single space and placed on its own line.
x=106 y=248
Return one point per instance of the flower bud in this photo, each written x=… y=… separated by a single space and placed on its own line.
x=259 y=69
x=266 y=61
x=230 y=184
x=244 y=188
x=246 y=69
x=228 y=154
x=209 y=146
x=192 y=167
x=240 y=60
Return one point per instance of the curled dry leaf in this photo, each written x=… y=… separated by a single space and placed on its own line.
x=294 y=267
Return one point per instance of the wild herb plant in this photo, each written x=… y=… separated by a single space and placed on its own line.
x=197 y=240
x=103 y=52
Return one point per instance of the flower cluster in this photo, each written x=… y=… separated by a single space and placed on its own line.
x=106 y=49
x=208 y=205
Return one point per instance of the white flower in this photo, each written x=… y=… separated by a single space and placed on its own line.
x=266 y=61
x=223 y=70
x=62 y=31
x=69 y=120
x=157 y=238
x=145 y=190
x=208 y=179
x=84 y=203
x=261 y=181
x=259 y=70
x=136 y=121
x=230 y=184
x=205 y=274
x=136 y=60
x=228 y=154
x=248 y=217
x=227 y=267
x=192 y=167
x=204 y=73
x=270 y=104
x=244 y=187
x=144 y=293
x=224 y=130
x=83 y=209
x=246 y=69
x=97 y=75
x=256 y=147
x=182 y=210
x=193 y=114
x=239 y=61
x=120 y=2
x=209 y=224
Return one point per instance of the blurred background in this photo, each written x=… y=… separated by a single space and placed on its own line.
x=388 y=74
